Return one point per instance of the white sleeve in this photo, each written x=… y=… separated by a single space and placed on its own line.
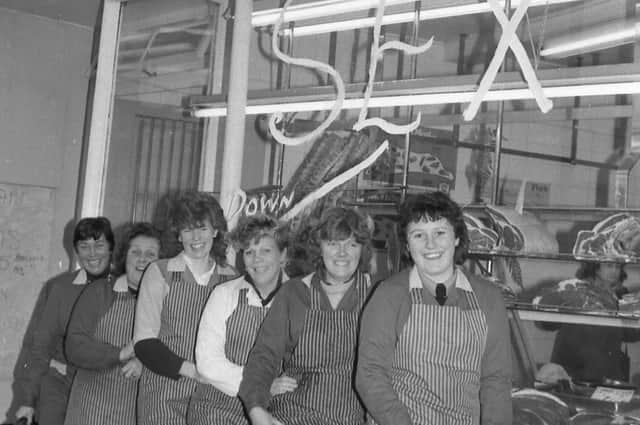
x=211 y=361
x=153 y=289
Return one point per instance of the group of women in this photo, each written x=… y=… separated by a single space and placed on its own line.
x=206 y=345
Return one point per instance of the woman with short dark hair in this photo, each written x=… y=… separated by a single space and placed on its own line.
x=49 y=377
x=99 y=338
x=434 y=340
x=310 y=331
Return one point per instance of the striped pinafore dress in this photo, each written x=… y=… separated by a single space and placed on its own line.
x=322 y=363
x=161 y=400
x=211 y=406
x=436 y=369
x=106 y=397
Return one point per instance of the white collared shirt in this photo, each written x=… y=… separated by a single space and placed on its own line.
x=461 y=280
x=153 y=290
x=201 y=279
x=81 y=278
x=211 y=360
x=121 y=284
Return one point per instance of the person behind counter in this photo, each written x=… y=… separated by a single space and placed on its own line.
x=173 y=293
x=311 y=329
x=231 y=320
x=49 y=377
x=593 y=353
x=434 y=340
x=99 y=338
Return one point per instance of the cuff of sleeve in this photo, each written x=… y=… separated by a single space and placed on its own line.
x=158 y=358
x=113 y=355
x=251 y=400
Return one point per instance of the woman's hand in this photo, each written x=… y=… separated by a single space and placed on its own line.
x=259 y=416
x=127 y=353
x=132 y=369
x=189 y=370
x=283 y=384
x=25 y=412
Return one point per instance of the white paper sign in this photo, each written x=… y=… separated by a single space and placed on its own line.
x=614 y=395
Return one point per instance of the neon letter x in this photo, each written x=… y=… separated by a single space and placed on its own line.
x=508 y=39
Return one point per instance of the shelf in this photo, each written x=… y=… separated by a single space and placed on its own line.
x=488 y=255
x=574 y=214
x=532 y=312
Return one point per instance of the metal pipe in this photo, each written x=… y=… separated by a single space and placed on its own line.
x=496 y=168
x=414 y=72
x=209 y=156
x=460 y=71
x=238 y=88
x=95 y=155
x=284 y=83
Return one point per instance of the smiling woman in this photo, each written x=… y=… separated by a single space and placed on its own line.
x=407 y=371
x=99 y=341
x=309 y=334
x=49 y=377
x=231 y=320
x=173 y=294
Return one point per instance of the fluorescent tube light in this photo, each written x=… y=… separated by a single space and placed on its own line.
x=269 y=17
x=602 y=89
x=317 y=9
x=602 y=37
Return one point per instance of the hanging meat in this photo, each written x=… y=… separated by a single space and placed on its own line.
x=521 y=232
x=481 y=237
x=616 y=237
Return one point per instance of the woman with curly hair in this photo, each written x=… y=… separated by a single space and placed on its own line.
x=231 y=320
x=172 y=296
x=99 y=336
x=310 y=332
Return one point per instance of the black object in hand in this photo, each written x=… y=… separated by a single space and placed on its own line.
x=441 y=293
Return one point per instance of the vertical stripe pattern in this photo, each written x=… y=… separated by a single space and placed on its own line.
x=211 y=406
x=436 y=369
x=322 y=363
x=161 y=400
x=106 y=397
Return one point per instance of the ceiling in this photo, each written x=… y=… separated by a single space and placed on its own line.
x=80 y=12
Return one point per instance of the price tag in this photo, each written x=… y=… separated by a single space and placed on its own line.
x=614 y=395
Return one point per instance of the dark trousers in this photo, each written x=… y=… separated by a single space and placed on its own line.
x=53 y=398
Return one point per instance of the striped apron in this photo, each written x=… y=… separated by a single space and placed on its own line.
x=106 y=397
x=322 y=364
x=436 y=369
x=162 y=400
x=210 y=405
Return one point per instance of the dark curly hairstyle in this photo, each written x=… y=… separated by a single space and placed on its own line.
x=340 y=223
x=252 y=228
x=432 y=207
x=193 y=209
x=93 y=228
x=129 y=233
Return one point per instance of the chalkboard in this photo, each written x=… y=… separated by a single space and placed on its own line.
x=26 y=214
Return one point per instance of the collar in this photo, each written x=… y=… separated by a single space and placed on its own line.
x=461 y=280
x=81 y=278
x=121 y=284
x=253 y=293
x=179 y=264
